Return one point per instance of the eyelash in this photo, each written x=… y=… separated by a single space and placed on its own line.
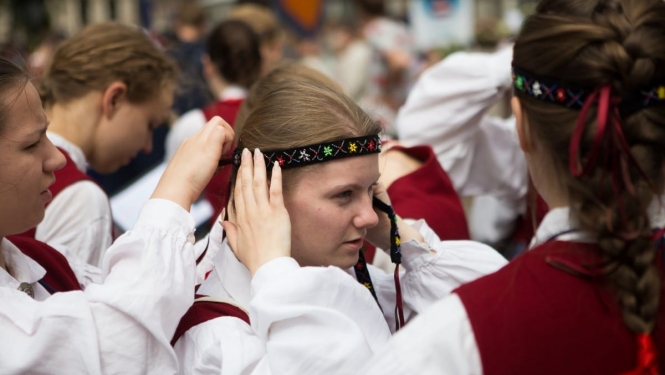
x=348 y=193
x=34 y=145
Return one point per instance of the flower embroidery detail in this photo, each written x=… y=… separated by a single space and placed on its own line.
x=368 y=285
x=519 y=82
x=370 y=146
x=536 y=89
x=561 y=95
x=661 y=92
x=397 y=241
x=304 y=155
x=280 y=160
x=327 y=151
x=352 y=147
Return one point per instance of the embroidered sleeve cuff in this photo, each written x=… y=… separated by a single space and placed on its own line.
x=270 y=271
x=162 y=214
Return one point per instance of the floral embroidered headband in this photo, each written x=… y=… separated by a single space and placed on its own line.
x=318 y=153
x=571 y=96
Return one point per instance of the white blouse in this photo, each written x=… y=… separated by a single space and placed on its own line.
x=341 y=314
x=123 y=326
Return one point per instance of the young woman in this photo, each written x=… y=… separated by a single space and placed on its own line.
x=589 y=79
x=329 y=202
x=123 y=325
x=105 y=91
x=231 y=65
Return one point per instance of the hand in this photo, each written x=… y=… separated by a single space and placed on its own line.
x=380 y=235
x=194 y=164
x=259 y=229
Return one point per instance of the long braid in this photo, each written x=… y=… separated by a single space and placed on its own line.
x=620 y=45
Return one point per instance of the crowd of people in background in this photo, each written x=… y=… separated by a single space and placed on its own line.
x=377 y=209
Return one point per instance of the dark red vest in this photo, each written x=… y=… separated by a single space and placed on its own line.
x=216 y=191
x=68 y=175
x=428 y=193
x=59 y=275
x=203 y=311
x=531 y=317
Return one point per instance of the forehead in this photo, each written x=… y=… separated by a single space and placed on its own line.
x=359 y=170
x=23 y=111
x=161 y=104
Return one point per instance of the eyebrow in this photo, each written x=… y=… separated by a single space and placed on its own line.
x=42 y=130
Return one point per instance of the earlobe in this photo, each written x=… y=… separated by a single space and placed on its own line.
x=114 y=94
x=521 y=125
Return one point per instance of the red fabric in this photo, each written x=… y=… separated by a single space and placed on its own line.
x=531 y=317
x=203 y=311
x=59 y=274
x=64 y=177
x=216 y=191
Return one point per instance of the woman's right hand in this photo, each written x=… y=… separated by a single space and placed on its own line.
x=259 y=228
x=195 y=162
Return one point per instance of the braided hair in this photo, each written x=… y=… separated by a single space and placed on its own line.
x=593 y=44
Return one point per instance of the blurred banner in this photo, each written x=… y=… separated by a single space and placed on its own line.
x=441 y=23
x=304 y=16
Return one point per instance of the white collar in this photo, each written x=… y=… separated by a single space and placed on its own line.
x=24 y=268
x=229 y=278
x=74 y=152
x=558 y=224
x=233 y=92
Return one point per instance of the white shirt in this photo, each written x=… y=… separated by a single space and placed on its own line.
x=448 y=110
x=441 y=341
x=191 y=121
x=79 y=217
x=123 y=326
x=348 y=326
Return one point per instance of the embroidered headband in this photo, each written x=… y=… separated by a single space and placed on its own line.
x=317 y=153
x=574 y=97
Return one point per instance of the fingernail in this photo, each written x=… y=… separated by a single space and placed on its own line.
x=257 y=153
x=245 y=153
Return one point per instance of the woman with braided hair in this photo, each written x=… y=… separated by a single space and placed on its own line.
x=589 y=81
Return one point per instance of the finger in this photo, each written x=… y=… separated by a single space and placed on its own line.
x=238 y=199
x=221 y=131
x=247 y=177
x=276 y=195
x=231 y=235
x=260 y=179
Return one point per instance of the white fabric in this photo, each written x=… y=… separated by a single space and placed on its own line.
x=79 y=217
x=123 y=326
x=352 y=68
x=191 y=121
x=441 y=341
x=348 y=324
x=448 y=110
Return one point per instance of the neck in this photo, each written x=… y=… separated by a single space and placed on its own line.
x=217 y=85
x=76 y=121
x=188 y=34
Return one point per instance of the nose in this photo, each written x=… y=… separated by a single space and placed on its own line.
x=147 y=146
x=54 y=159
x=366 y=216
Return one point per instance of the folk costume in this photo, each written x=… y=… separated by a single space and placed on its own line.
x=122 y=326
x=78 y=218
x=550 y=310
x=428 y=272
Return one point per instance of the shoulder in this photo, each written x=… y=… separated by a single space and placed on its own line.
x=83 y=193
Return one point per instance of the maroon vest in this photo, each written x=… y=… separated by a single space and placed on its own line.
x=59 y=275
x=64 y=177
x=216 y=191
x=203 y=311
x=531 y=317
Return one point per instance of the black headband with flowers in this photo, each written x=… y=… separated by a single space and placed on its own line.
x=318 y=153
x=572 y=96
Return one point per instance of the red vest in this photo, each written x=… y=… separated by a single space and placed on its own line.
x=531 y=317
x=203 y=311
x=216 y=191
x=64 y=177
x=428 y=193
x=59 y=275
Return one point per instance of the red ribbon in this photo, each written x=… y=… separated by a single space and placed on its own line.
x=647 y=359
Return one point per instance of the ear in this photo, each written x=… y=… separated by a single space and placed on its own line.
x=112 y=98
x=209 y=69
x=521 y=125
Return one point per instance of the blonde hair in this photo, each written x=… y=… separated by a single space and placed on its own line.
x=101 y=54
